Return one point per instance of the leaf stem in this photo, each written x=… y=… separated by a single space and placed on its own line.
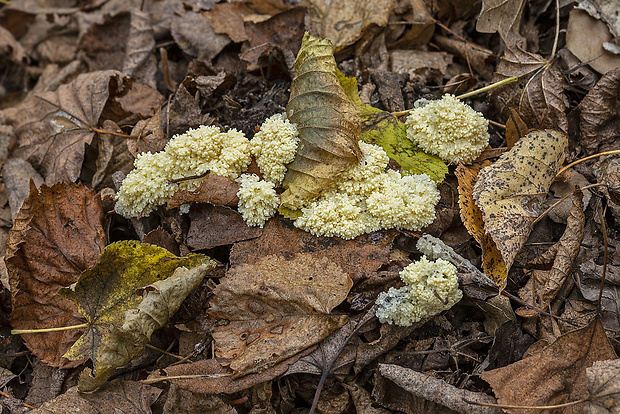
x=468 y=94
x=589 y=157
x=62 y=328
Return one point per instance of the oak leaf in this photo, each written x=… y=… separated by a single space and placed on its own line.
x=511 y=191
x=328 y=124
x=106 y=296
x=275 y=308
x=58 y=234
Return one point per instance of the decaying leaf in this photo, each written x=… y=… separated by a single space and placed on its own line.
x=274 y=309
x=555 y=375
x=543 y=285
x=510 y=192
x=492 y=261
x=538 y=96
x=386 y=130
x=597 y=117
x=328 y=124
x=501 y=16
x=213 y=226
x=344 y=21
x=57 y=235
x=106 y=294
x=53 y=128
x=128 y=397
x=604 y=386
x=214 y=189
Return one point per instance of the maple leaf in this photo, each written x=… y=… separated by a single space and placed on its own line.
x=120 y=322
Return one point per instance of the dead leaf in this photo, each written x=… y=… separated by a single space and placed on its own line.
x=492 y=261
x=195 y=36
x=212 y=226
x=597 y=117
x=274 y=309
x=228 y=18
x=214 y=189
x=57 y=235
x=515 y=128
x=501 y=16
x=17 y=174
x=436 y=390
x=510 y=192
x=421 y=65
x=123 y=42
x=128 y=397
x=585 y=37
x=180 y=401
x=543 y=285
x=344 y=21
x=150 y=134
x=480 y=59
x=555 y=375
x=162 y=238
x=107 y=291
x=603 y=379
x=54 y=127
x=282 y=32
x=328 y=124
x=10 y=48
x=112 y=155
x=538 y=96
x=422 y=27
x=360 y=257
x=46 y=384
x=563 y=186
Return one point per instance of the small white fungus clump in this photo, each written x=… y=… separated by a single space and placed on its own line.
x=367 y=198
x=192 y=153
x=431 y=288
x=258 y=200
x=274 y=146
x=449 y=129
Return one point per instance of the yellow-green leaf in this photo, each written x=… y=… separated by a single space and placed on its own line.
x=105 y=293
x=384 y=129
x=328 y=124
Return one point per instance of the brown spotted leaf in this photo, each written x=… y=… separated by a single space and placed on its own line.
x=328 y=124
x=275 y=308
x=511 y=191
x=57 y=235
x=492 y=261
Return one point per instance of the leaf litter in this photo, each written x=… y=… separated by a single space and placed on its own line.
x=118 y=80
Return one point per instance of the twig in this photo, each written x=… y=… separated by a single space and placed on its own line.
x=468 y=94
x=529 y=407
x=192 y=177
x=589 y=157
x=557 y=28
x=164 y=351
x=42 y=330
x=554 y=205
x=183 y=377
x=604 y=274
x=542 y=312
x=25 y=405
x=497 y=124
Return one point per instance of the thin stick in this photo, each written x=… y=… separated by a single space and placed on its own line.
x=183 y=377
x=468 y=94
x=25 y=405
x=554 y=205
x=589 y=157
x=497 y=124
x=528 y=407
x=600 y=291
x=164 y=351
x=42 y=330
x=557 y=28
x=103 y=131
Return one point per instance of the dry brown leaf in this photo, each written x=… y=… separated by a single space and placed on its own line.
x=360 y=257
x=57 y=235
x=343 y=22
x=543 y=285
x=510 y=192
x=10 y=48
x=585 y=36
x=228 y=18
x=112 y=155
x=420 y=64
x=128 y=397
x=54 y=127
x=123 y=42
x=274 y=309
x=538 y=97
x=492 y=261
x=515 y=128
x=214 y=189
x=195 y=36
x=480 y=59
x=212 y=226
x=555 y=375
x=180 y=401
x=329 y=125
x=597 y=117
x=604 y=386
x=150 y=134
x=501 y=16
x=282 y=32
